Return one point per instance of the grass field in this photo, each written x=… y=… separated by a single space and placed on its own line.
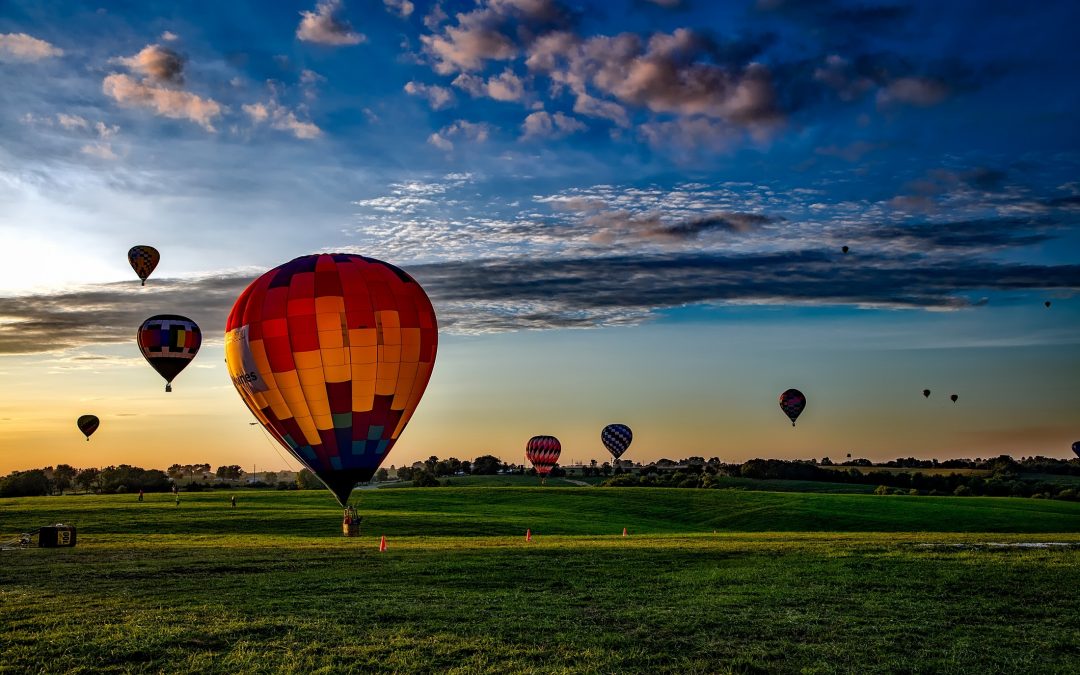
x=789 y=582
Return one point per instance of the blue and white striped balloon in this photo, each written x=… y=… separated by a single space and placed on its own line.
x=616 y=438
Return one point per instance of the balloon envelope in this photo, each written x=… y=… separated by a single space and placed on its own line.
x=845 y=249
x=1076 y=448
x=143 y=260
x=88 y=424
x=926 y=393
x=953 y=398
x=792 y=403
x=332 y=353
x=543 y=452
x=616 y=438
x=169 y=342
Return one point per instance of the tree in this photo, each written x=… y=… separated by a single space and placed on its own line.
x=405 y=473
x=382 y=475
x=486 y=465
x=33 y=483
x=270 y=477
x=63 y=476
x=175 y=471
x=87 y=479
x=230 y=472
x=305 y=480
x=423 y=478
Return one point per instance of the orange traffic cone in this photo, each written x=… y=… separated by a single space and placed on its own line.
x=382 y=544
x=624 y=532
x=528 y=535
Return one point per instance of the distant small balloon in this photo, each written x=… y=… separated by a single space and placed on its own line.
x=954 y=397
x=143 y=260
x=543 y=452
x=792 y=403
x=616 y=438
x=88 y=424
x=1076 y=448
x=926 y=393
x=169 y=342
x=844 y=249
x=1047 y=303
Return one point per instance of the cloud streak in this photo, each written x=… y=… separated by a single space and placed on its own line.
x=495 y=295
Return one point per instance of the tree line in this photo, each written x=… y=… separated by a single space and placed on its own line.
x=1005 y=478
x=126 y=478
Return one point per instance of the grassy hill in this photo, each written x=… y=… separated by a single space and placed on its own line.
x=790 y=583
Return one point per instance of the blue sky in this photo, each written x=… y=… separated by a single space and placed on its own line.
x=661 y=172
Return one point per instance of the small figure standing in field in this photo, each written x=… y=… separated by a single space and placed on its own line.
x=178 y=499
x=140 y=495
x=232 y=499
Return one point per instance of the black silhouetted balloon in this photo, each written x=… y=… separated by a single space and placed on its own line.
x=926 y=393
x=954 y=397
x=88 y=424
x=792 y=403
x=845 y=249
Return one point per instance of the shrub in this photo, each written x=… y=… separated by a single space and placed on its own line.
x=881 y=490
x=962 y=491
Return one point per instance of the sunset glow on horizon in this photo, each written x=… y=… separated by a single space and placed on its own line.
x=630 y=214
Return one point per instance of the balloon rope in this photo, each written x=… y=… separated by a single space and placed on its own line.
x=276 y=447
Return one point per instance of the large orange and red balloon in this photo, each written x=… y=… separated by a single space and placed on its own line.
x=88 y=424
x=543 y=452
x=169 y=342
x=332 y=353
x=792 y=403
x=143 y=259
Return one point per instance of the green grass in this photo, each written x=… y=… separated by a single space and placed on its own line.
x=790 y=583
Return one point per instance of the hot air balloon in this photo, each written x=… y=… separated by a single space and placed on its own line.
x=792 y=403
x=332 y=353
x=169 y=342
x=88 y=424
x=953 y=398
x=844 y=249
x=1047 y=303
x=926 y=393
x=143 y=260
x=543 y=452
x=616 y=438
x=1076 y=448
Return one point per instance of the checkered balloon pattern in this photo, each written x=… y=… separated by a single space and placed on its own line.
x=332 y=353
x=543 y=452
x=792 y=403
x=616 y=438
x=88 y=424
x=169 y=342
x=143 y=260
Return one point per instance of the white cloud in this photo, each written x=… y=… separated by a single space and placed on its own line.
x=171 y=103
x=282 y=119
x=157 y=63
x=545 y=125
x=463 y=129
x=438 y=97
x=917 y=91
x=22 y=47
x=72 y=121
x=322 y=27
x=169 y=36
x=402 y=8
